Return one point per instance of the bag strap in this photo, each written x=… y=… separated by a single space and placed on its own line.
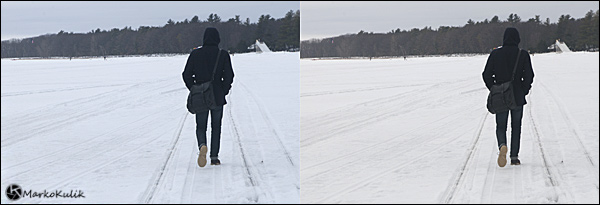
x=516 y=63
x=216 y=63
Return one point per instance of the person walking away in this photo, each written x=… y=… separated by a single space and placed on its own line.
x=199 y=69
x=499 y=69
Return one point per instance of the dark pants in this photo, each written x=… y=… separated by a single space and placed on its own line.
x=215 y=139
x=515 y=140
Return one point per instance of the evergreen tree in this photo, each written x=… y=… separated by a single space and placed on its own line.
x=494 y=19
x=513 y=18
x=470 y=22
x=510 y=18
x=213 y=18
x=473 y=37
x=588 y=31
x=237 y=19
x=563 y=30
x=195 y=20
x=517 y=19
x=173 y=37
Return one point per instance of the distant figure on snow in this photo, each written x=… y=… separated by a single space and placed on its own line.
x=199 y=69
x=499 y=69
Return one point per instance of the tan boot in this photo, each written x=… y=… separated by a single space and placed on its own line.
x=502 y=156
x=202 y=156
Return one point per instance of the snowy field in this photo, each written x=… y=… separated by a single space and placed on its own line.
x=417 y=131
x=119 y=131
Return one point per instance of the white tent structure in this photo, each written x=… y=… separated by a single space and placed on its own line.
x=560 y=47
x=259 y=47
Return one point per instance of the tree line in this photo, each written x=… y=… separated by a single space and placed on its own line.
x=174 y=37
x=474 y=37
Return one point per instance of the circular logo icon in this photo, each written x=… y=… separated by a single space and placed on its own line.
x=14 y=192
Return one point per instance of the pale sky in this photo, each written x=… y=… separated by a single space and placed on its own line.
x=329 y=19
x=28 y=19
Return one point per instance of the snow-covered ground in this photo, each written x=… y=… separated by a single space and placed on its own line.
x=417 y=131
x=119 y=131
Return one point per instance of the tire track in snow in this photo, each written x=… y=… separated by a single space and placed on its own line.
x=402 y=109
x=548 y=173
x=336 y=122
x=490 y=179
x=119 y=139
x=496 y=185
x=100 y=166
x=490 y=185
x=355 y=155
x=218 y=187
x=518 y=188
x=188 y=185
x=37 y=123
x=421 y=143
x=246 y=163
x=88 y=143
x=150 y=191
x=491 y=176
x=454 y=186
x=31 y=116
x=276 y=135
x=427 y=101
x=312 y=94
x=593 y=167
x=355 y=185
x=12 y=94
x=43 y=127
x=200 y=181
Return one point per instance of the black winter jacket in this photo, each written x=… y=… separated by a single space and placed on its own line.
x=201 y=62
x=501 y=62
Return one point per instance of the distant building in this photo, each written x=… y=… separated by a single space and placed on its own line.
x=559 y=47
x=259 y=47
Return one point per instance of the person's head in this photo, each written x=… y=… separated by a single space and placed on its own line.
x=511 y=37
x=211 y=37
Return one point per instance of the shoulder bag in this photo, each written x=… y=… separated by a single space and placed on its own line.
x=202 y=97
x=502 y=96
